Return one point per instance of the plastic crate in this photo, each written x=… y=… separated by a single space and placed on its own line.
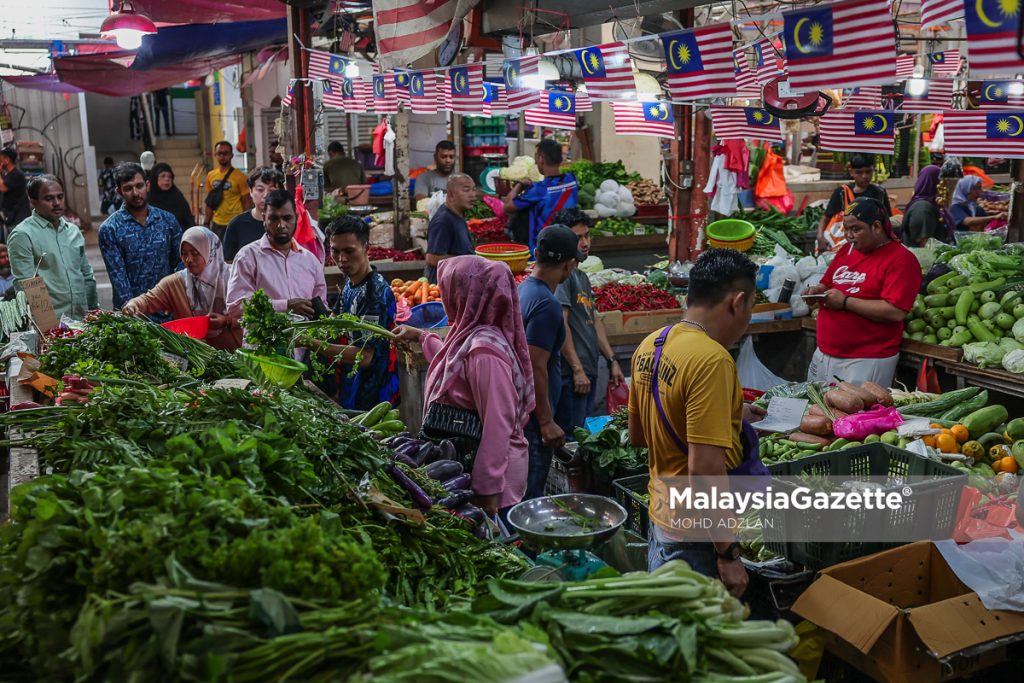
x=486 y=151
x=774 y=587
x=564 y=478
x=626 y=490
x=936 y=500
x=484 y=140
x=604 y=485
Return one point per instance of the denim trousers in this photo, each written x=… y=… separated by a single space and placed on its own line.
x=700 y=555
x=573 y=408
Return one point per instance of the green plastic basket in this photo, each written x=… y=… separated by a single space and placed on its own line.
x=277 y=371
x=730 y=230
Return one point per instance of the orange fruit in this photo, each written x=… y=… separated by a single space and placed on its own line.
x=935 y=425
x=961 y=433
x=929 y=440
x=1007 y=464
x=946 y=443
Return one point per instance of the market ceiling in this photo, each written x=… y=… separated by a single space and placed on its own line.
x=502 y=16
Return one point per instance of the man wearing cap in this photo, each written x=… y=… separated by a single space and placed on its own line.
x=557 y=254
x=864 y=298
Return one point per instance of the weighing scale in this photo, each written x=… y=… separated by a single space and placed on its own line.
x=563 y=529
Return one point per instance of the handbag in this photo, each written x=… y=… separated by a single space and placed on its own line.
x=462 y=427
x=215 y=197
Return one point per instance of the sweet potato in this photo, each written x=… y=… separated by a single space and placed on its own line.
x=840 y=399
x=866 y=397
x=882 y=395
x=817 y=425
x=800 y=437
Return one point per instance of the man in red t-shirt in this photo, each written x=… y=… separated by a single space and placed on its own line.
x=867 y=291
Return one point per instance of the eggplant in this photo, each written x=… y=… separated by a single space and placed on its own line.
x=456 y=499
x=423 y=454
x=397 y=439
x=405 y=460
x=443 y=470
x=409 y=449
x=462 y=481
x=472 y=514
x=448 y=451
x=418 y=495
x=433 y=456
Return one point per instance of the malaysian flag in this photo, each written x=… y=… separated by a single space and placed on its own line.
x=1001 y=95
x=556 y=109
x=409 y=29
x=904 y=66
x=607 y=71
x=865 y=97
x=699 y=63
x=333 y=94
x=423 y=92
x=495 y=102
x=402 y=80
x=746 y=84
x=922 y=96
x=945 y=63
x=984 y=134
x=466 y=84
x=289 y=96
x=355 y=93
x=992 y=37
x=858 y=131
x=644 y=118
x=515 y=71
x=739 y=123
x=325 y=65
x=769 y=64
x=851 y=42
x=385 y=100
x=935 y=13
x=583 y=102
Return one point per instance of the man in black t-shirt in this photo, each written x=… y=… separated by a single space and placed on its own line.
x=247 y=227
x=862 y=169
x=15 y=206
x=448 y=233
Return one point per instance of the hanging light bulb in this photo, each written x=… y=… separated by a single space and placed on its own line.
x=916 y=86
x=351 y=70
x=126 y=26
x=1015 y=88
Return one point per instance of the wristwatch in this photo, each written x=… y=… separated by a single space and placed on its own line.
x=611 y=361
x=731 y=554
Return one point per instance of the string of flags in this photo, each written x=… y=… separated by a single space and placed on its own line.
x=847 y=44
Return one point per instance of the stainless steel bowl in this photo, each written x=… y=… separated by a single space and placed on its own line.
x=546 y=523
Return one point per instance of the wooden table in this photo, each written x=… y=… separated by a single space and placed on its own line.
x=1009 y=383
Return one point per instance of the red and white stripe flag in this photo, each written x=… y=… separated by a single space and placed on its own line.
x=516 y=73
x=495 y=102
x=858 y=131
x=402 y=78
x=945 y=63
x=984 y=133
x=699 y=63
x=332 y=90
x=385 y=100
x=852 y=43
x=607 y=71
x=995 y=95
x=992 y=37
x=922 y=96
x=423 y=92
x=740 y=123
x=644 y=118
x=865 y=97
x=583 y=102
x=409 y=29
x=556 y=109
x=466 y=84
x=359 y=101
x=935 y=13
x=904 y=66
x=769 y=63
x=322 y=64
x=746 y=84
x=289 y=96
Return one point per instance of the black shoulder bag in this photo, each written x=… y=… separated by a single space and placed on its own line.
x=215 y=197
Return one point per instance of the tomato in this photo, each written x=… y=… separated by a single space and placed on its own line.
x=946 y=443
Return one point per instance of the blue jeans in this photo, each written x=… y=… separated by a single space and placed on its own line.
x=539 y=461
x=573 y=408
x=700 y=555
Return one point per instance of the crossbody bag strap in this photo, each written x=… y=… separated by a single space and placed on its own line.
x=659 y=346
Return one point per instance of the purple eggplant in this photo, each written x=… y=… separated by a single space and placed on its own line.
x=462 y=481
x=397 y=440
x=405 y=460
x=455 y=499
x=423 y=454
x=448 y=451
x=443 y=470
x=472 y=514
x=409 y=449
x=418 y=495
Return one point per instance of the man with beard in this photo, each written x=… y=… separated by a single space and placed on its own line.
x=429 y=182
x=47 y=245
x=139 y=242
x=290 y=275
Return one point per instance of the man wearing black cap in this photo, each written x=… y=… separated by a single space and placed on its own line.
x=864 y=297
x=557 y=254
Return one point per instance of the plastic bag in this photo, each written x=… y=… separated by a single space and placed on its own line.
x=806 y=267
x=861 y=425
x=753 y=374
x=435 y=202
x=494 y=204
x=616 y=397
x=799 y=305
x=771 y=185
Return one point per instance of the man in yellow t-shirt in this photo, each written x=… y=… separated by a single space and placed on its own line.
x=703 y=402
x=235 y=198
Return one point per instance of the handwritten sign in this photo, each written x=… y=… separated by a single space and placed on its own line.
x=39 y=303
x=231 y=383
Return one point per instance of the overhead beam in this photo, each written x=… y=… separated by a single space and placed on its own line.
x=501 y=16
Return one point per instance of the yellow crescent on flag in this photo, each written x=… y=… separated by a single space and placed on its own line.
x=796 y=35
x=979 y=7
x=1020 y=126
x=769 y=120
x=884 y=122
x=673 y=52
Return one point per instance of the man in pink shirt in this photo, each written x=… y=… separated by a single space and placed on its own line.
x=288 y=274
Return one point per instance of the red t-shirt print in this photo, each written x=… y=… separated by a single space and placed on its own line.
x=891 y=273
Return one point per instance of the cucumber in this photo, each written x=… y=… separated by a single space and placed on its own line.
x=985 y=420
x=374 y=415
x=941 y=404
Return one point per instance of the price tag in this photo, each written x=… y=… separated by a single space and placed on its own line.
x=639 y=230
x=39 y=304
x=231 y=384
x=785 y=90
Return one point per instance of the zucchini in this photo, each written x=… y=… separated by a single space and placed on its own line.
x=984 y=420
x=941 y=404
x=967 y=407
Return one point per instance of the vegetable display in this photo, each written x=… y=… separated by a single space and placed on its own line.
x=415 y=291
x=488 y=230
x=521 y=168
x=646 y=192
x=638 y=297
x=612 y=199
x=14 y=315
x=389 y=254
x=621 y=227
x=478 y=210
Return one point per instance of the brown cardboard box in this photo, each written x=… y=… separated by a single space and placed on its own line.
x=903 y=616
x=632 y=322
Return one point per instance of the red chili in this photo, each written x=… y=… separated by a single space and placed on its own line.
x=618 y=296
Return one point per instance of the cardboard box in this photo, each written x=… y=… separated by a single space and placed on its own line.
x=633 y=322
x=903 y=615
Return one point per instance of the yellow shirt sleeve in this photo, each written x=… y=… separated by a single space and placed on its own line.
x=710 y=396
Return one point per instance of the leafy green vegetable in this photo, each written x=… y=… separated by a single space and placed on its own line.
x=594 y=173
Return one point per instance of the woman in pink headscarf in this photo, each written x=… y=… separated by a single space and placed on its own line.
x=483 y=365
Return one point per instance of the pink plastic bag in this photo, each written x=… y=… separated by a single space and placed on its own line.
x=616 y=397
x=858 y=426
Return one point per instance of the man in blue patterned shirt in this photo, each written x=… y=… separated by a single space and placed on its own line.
x=140 y=243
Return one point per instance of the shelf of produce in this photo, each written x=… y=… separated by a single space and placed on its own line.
x=403 y=270
x=997 y=380
x=908 y=347
x=605 y=245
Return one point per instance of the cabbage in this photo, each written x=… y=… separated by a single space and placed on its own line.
x=609 y=199
x=984 y=354
x=1018 y=330
x=592 y=265
x=1014 y=362
x=609 y=186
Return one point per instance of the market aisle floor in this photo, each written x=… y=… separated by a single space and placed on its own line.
x=92 y=250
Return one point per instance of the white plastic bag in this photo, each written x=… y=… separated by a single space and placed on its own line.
x=435 y=202
x=806 y=267
x=753 y=374
x=799 y=305
x=991 y=567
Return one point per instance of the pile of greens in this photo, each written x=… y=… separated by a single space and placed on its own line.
x=594 y=173
x=479 y=210
x=610 y=451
